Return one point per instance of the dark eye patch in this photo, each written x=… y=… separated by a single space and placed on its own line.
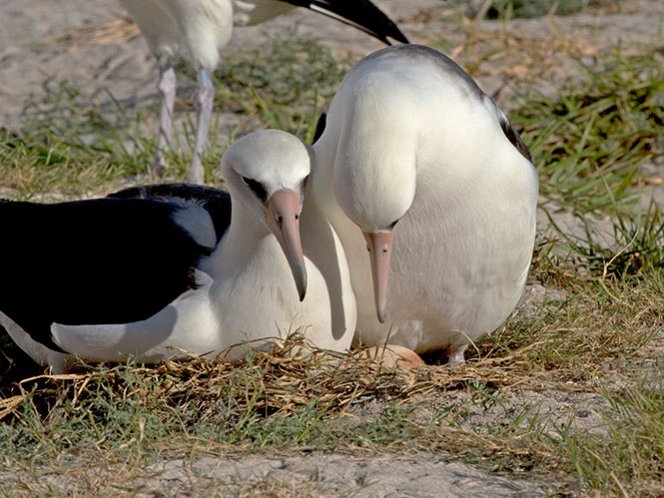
x=256 y=187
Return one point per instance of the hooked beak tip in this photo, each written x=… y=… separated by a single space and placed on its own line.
x=382 y=315
x=301 y=281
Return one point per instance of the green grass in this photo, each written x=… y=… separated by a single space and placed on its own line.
x=280 y=404
x=34 y=165
x=589 y=140
x=534 y=8
x=285 y=84
x=633 y=450
x=593 y=334
x=72 y=144
x=635 y=244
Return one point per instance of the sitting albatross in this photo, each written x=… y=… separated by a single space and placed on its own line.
x=83 y=279
x=417 y=164
x=199 y=29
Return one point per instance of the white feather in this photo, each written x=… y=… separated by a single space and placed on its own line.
x=246 y=295
x=37 y=351
x=409 y=137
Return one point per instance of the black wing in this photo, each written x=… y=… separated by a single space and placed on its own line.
x=320 y=127
x=515 y=138
x=91 y=262
x=510 y=133
x=216 y=202
x=361 y=14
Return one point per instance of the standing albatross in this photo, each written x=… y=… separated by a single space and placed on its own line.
x=83 y=279
x=199 y=29
x=417 y=164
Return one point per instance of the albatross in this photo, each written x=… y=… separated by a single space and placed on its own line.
x=199 y=29
x=416 y=164
x=82 y=279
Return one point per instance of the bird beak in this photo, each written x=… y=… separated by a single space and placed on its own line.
x=380 y=251
x=282 y=215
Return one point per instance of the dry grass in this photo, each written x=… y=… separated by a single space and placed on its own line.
x=108 y=32
x=287 y=403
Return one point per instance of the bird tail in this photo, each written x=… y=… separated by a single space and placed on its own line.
x=361 y=14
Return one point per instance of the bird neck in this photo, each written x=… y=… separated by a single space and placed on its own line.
x=245 y=234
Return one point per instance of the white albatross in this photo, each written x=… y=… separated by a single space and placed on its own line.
x=418 y=165
x=199 y=29
x=240 y=294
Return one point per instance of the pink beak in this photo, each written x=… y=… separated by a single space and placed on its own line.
x=282 y=215
x=380 y=249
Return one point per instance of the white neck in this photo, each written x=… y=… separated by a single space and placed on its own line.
x=239 y=244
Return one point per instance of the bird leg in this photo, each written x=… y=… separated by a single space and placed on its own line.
x=455 y=355
x=204 y=100
x=166 y=89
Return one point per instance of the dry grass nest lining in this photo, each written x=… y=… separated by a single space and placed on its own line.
x=282 y=383
x=279 y=381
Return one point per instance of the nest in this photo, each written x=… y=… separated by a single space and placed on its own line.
x=283 y=380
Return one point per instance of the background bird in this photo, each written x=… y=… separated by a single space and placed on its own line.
x=199 y=29
x=417 y=164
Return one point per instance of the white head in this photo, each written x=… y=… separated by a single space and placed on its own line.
x=266 y=172
x=375 y=172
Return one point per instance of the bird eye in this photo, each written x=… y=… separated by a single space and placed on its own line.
x=256 y=187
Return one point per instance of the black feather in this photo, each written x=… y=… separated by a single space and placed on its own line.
x=515 y=139
x=91 y=262
x=257 y=188
x=361 y=14
x=320 y=127
x=215 y=201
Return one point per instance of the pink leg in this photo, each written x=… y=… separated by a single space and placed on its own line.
x=167 y=101
x=456 y=355
x=204 y=101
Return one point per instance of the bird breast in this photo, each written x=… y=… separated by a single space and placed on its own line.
x=194 y=29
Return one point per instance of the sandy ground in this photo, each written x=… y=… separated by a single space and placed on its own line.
x=32 y=49
x=124 y=69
